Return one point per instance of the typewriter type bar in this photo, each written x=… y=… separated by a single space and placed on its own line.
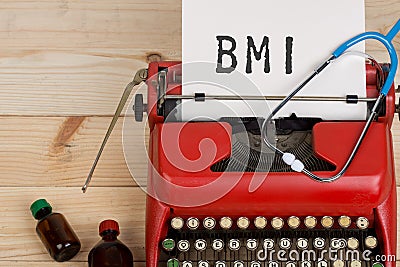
x=289 y=212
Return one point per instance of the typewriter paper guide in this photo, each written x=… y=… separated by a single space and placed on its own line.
x=317 y=28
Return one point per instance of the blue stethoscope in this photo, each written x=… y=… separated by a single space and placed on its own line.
x=289 y=158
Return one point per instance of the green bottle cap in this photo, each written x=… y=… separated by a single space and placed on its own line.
x=378 y=264
x=38 y=205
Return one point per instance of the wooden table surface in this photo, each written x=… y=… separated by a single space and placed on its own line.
x=63 y=66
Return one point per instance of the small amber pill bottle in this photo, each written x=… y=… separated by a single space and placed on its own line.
x=55 y=232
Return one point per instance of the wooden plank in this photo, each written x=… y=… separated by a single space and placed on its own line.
x=58 y=151
x=52 y=263
x=84 y=211
x=74 y=58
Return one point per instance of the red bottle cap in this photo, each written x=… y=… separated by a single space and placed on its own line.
x=108 y=225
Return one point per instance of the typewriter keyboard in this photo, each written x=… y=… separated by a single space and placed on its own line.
x=274 y=242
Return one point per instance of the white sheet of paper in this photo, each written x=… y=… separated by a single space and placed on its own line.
x=317 y=28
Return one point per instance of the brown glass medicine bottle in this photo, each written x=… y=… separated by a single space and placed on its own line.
x=55 y=232
x=110 y=252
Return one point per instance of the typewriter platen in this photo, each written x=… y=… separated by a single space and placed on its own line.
x=348 y=223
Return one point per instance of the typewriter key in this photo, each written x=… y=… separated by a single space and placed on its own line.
x=234 y=244
x=355 y=263
x=177 y=223
x=362 y=223
x=268 y=243
x=285 y=243
x=305 y=264
x=273 y=264
x=310 y=222
x=183 y=245
x=277 y=223
x=172 y=263
x=209 y=223
x=187 y=264
x=238 y=264
x=338 y=263
x=338 y=243
x=204 y=264
x=200 y=244
x=225 y=222
x=260 y=222
x=322 y=263
x=352 y=243
x=220 y=264
x=327 y=222
x=302 y=243
x=371 y=242
x=168 y=244
x=344 y=222
x=217 y=245
x=255 y=264
x=293 y=222
x=319 y=243
x=290 y=264
x=251 y=244
x=193 y=223
x=243 y=223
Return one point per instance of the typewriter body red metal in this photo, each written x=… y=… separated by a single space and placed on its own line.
x=196 y=217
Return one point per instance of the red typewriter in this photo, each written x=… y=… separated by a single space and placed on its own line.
x=201 y=213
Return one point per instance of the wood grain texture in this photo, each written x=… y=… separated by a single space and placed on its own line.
x=74 y=58
x=59 y=151
x=84 y=211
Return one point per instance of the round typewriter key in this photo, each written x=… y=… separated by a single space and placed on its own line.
x=177 y=223
x=352 y=243
x=362 y=223
x=344 y=222
x=183 y=245
x=319 y=243
x=243 y=223
x=220 y=264
x=209 y=223
x=269 y=243
x=285 y=243
x=371 y=242
x=327 y=222
x=338 y=243
x=238 y=264
x=234 y=244
x=255 y=264
x=273 y=264
x=290 y=264
x=225 y=222
x=187 y=264
x=338 y=263
x=193 y=223
x=172 y=263
x=251 y=244
x=204 y=264
x=302 y=243
x=293 y=222
x=260 y=222
x=322 y=263
x=378 y=264
x=200 y=244
x=277 y=223
x=168 y=244
x=310 y=222
x=305 y=264
x=355 y=263
x=217 y=245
